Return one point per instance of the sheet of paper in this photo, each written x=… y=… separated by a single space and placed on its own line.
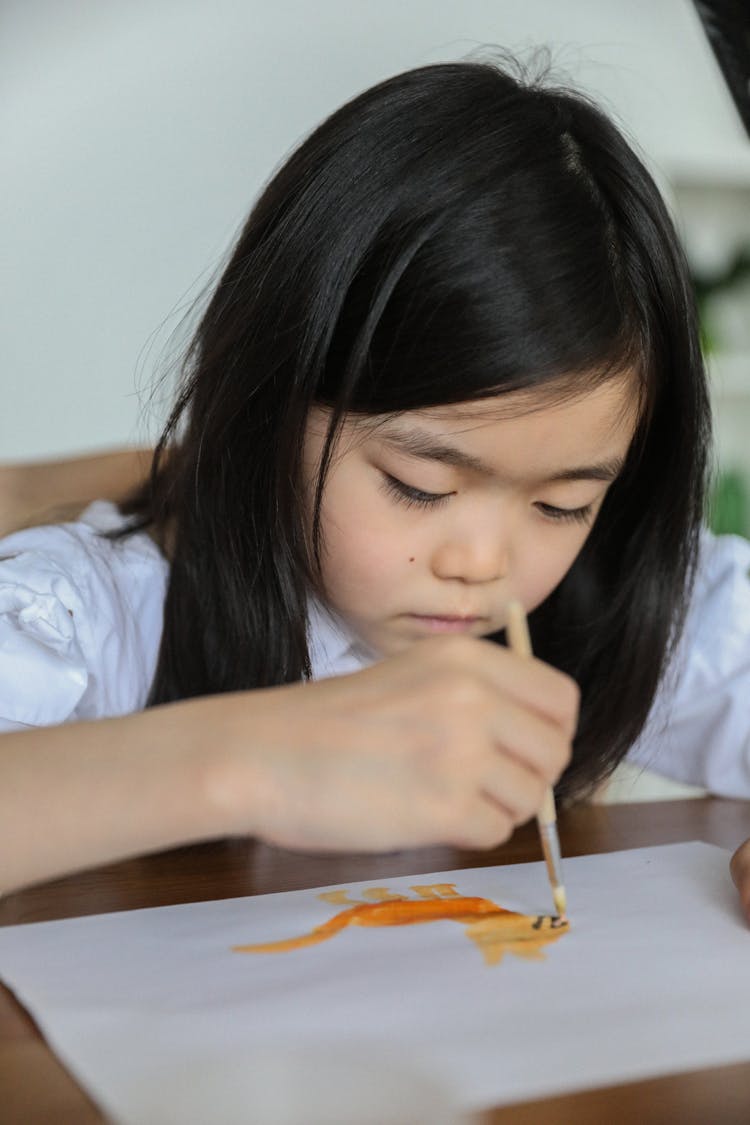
x=652 y=977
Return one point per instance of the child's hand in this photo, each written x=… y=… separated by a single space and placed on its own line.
x=451 y=742
x=740 y=868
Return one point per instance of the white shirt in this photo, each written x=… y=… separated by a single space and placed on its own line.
x=698 y=731
x=81 y=621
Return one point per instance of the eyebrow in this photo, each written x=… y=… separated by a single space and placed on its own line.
x=421 y=443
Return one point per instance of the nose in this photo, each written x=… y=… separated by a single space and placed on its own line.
x=481 y=555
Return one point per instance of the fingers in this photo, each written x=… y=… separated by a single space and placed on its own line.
x=453 y=741
x=536 y=742
x=488 y=826
x=484 y=817
x=740 y=868
x=495 y=730
x=514 y=788
x=533 y=684
x=496 y=708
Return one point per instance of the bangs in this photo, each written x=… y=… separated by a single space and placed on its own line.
x=502 y=293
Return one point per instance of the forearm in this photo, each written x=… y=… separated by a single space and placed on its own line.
x=91 y=793
x=741 y=874
x=49 y=490
x=402 y=754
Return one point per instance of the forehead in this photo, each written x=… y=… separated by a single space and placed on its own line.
x=543 y=421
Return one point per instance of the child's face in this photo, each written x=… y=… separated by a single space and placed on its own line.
x=432 y=520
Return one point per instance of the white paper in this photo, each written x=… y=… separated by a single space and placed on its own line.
x=153 y=1011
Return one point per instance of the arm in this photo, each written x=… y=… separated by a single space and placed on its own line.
x=740 y=868
x=452 y=742
x=90 y=793
x=42 y=491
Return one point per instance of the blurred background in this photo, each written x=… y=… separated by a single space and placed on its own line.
x=136 y=134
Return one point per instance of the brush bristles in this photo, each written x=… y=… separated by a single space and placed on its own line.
x=561 y=902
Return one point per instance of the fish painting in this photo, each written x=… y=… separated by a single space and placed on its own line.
x=494 y=930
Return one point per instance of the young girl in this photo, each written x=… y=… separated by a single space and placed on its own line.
x=452 y=362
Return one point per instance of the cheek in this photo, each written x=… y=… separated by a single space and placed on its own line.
x=362 y=551
x=542 y=570
x=358 y=555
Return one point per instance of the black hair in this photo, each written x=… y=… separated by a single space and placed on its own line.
x=456 y=232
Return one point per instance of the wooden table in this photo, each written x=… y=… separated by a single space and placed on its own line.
x=34 y=1087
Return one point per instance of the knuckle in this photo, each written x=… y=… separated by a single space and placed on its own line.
x=571 y=693
x=459 y=649
x=494 y=831
x=456 y=815
x=463 y=813
x=529 y=803
x=459 y=691
x=467 y=693
x=562 y=752
x=477 y=823
x=564 y=749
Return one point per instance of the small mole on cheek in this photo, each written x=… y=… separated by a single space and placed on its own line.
x=411 y=559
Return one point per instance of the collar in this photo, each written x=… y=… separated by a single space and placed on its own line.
x=334 y=647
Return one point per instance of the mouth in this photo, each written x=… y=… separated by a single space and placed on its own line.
x=445 y=623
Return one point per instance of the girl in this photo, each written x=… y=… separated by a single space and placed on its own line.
x=453 y=361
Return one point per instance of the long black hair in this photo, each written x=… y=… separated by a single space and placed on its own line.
x=455 y=232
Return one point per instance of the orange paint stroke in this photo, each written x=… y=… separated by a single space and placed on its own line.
x=493 y=929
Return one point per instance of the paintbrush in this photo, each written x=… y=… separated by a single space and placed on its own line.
x=517 y=632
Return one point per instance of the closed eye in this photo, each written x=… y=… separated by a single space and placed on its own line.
x=566 y=515
x=412 y=497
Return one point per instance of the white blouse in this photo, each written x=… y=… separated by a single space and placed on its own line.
x=81 y=621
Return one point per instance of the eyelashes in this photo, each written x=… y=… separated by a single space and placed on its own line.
x=566 y=515
x=417 y=498
x=412 y=497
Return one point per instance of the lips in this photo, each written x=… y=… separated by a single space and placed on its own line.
x=467 y=618
x=444 y=623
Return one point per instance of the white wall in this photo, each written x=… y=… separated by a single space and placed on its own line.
x=135 y=133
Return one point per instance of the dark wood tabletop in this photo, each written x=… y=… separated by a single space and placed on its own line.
x=35 y=1089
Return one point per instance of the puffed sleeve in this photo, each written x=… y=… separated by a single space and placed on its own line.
x=699 y=728
x=43 y=673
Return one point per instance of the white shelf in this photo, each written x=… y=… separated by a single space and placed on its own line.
x=728 y=169
x=730 y=375
x=730 y=394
